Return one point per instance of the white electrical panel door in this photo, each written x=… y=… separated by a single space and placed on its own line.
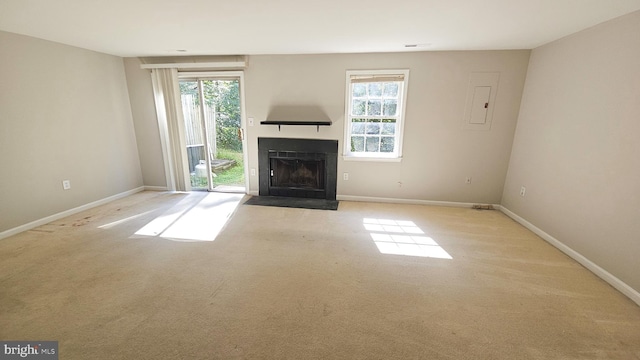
x=481 y=96
x=480 y=104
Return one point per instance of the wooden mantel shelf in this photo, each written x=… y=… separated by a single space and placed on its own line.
x=317 y=124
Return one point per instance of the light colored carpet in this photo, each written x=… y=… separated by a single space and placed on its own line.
x=281 y=283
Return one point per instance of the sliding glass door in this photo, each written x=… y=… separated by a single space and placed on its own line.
x=213 y=133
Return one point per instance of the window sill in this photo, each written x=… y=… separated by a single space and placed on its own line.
x=371 y=159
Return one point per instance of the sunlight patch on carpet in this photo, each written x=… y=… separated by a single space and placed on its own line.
x=190 y=222
x=122 y=221
x=399 y=237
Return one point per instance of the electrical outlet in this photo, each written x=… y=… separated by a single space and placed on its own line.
x=345 y=176
x=468 y=180
x=523 y=190
x=66 y=184
x=253 y=172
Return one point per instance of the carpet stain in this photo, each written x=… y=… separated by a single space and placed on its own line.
x=326 y=311
x=82 y=222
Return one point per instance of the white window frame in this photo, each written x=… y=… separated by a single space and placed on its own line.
x=396 y=155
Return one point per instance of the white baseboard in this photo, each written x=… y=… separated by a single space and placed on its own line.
x=156 y=188
x=600 y=272
x=253 y=193
x=66 y=213
x=406 y=201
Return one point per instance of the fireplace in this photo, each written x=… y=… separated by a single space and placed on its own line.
x=304 y=168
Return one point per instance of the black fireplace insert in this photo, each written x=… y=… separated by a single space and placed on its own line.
x=305 y=168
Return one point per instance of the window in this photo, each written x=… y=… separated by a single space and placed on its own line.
x=374 y=114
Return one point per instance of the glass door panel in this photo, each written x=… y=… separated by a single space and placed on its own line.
x=224 y=121
x=213 y=133
x=194 y=132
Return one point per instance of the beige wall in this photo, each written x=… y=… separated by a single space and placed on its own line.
x=576 y=147
x=64 y=114
x=438 y=153
x=145 y=123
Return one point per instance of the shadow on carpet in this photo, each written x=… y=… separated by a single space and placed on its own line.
x=291 y=202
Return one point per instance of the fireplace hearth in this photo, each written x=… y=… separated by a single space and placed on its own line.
x=303 y=168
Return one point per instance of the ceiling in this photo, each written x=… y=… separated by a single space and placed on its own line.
x=249 y=27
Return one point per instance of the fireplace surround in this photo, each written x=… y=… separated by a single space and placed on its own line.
x=304 y=168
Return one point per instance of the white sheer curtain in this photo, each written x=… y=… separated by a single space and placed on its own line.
x=166 y=92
